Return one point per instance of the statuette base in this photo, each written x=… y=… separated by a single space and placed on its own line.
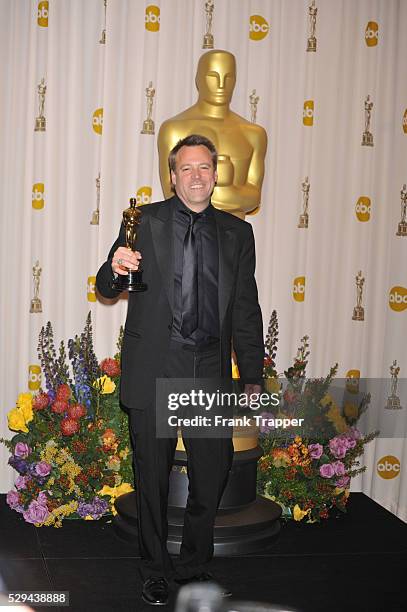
x=207 y=41
x=40 y=124
x=312 y=44
x=148 y=127
x=133 y=282
x=367 y=139
x=402 y=229
x=393 y=403
x=303 y=222
x=36 y=305
x=95 y=218
x=358 y=313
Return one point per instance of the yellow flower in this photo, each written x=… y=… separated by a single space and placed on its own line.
x=104 y=384
x=114 y=492
x=299 y=514
x=123 y=454
x=272 y=385
x=339 y=491
x=351 y=410
x=16 y=420
x=88 y=517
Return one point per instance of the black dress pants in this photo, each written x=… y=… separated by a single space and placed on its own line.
x=208 y=463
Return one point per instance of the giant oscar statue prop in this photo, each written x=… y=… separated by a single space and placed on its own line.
x=241 y=145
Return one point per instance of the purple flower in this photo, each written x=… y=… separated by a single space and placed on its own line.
x=354 y=433
x=326 y=470
x=265 y=429
x=42 y=498
x=342 y=482
x=21 y=482
x=18 y=464
x=36 y=512
x=338 y=447
x=315 y=450
x=22 y=450
x=42 y=469
x=96 y=508
x=13 y=499
x=339 y=468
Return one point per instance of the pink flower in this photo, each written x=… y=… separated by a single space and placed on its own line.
x=22 y=450
x=326 y=470
x=36 y=512
x=42 y=498
x=315 y=450
x=13 y=499
x=339 y=468
x=42 y=468
x=21 y=482
x=342 y=482
x=338 y=447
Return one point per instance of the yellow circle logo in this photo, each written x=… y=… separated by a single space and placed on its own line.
x=308 y=112
x=388 y=467
x=405 y=121
x=34 y=377
x=398 y=298
x=258 y=27
x=372 y=34
x=362 y=209
x=97 y=120
x=91 y=288
x=143 y=195
x=42 y=13
x=152 y=18
x=299 y=289
x=352 y=381
x=37 y=196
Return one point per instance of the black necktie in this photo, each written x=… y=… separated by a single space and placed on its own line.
x=189 y=320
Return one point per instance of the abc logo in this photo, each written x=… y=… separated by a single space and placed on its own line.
x=258 y=27
x=398 y=298
x=352 y=381
x=143 y=195
x=372 y=34
x=34 y=377
x=97 y=120
x=91 y=288
x=308 y=112
x=405 y=121
x=362 y=208
x=42 y=14
x=388 y=467
x=152 y=18
x=38 y=196
x=299 y=288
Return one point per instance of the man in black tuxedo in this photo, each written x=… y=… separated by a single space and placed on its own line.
x=198 y=263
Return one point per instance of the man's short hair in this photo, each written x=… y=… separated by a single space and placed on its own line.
x=194 y=140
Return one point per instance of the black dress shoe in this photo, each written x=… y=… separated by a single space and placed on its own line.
x=203 y=577
x=155 y=591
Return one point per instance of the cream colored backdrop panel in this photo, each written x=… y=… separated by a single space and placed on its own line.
x=95 y=105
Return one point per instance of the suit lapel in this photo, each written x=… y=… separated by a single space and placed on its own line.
x=227 y=250
x=161 y=230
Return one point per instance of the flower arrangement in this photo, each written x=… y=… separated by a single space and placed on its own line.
x=71 y=449
x=307 y=470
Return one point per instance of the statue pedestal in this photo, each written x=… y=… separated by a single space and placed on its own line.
x=245 y=522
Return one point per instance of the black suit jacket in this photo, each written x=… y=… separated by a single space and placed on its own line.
x=148 y=325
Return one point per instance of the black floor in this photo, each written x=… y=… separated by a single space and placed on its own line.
x=356 y=562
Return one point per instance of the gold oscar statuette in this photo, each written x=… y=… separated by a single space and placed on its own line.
x=241 y=145
x=102 y=40
x=359 y=311
x=367 y=137
x=95 y=214
x=303 y=221
x=36 y=305
x=254 y=100
x=312 y=13
x=133 y=281
x=208 y=36
x=402 y=227
x=148 y=123
x=393 y=401
x=40 y=121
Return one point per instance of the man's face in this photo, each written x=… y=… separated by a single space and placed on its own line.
x=194 y=177
x=217 y=79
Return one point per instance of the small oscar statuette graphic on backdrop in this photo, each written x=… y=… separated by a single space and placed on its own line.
x=359 y=311
x=254 y=100
x=148 y=123
x=312 y=41
x=303 y=221
x=208 y=36
x=133 y=281
x=393 y=401
x=95 y=214
x=367 y=138
x=36 y=305
x=40 y=121
x=402 y=227
x=102 y=40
